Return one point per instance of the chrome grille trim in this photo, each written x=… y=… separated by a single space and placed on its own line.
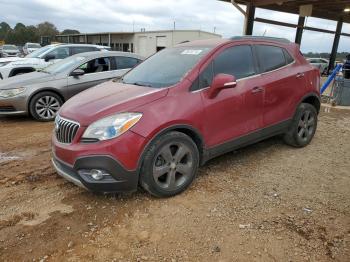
x=65 y=129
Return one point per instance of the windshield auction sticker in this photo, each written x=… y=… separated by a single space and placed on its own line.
x=191 y=52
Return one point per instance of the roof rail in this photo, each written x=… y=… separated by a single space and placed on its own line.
x=282 y=40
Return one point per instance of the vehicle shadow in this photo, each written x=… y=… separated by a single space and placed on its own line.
x=11 y=119
x=216 y=165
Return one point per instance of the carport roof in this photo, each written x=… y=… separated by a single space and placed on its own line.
x=332 y=10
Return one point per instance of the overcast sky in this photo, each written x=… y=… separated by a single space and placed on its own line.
x=124 y=15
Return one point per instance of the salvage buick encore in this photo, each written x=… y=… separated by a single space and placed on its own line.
x=181 y=107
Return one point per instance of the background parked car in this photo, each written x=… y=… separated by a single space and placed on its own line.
x=42 y=93
x=30 y=47
x=43 y=57
x=9 y=51
x=320 y=63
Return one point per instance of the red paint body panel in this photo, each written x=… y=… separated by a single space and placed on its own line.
x=127 y=150
x=106 y=99
x=233 y=113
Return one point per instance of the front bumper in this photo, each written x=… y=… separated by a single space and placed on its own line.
x=14 y=105
x=122 y=180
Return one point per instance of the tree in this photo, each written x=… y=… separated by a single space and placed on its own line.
x=5 y=28
x=47 y=29
x=70 y=32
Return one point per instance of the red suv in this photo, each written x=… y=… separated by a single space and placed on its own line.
x=182 y=107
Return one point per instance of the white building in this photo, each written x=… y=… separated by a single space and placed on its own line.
x=144 y=43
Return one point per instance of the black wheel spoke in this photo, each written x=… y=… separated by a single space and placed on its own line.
x=170 y=180
x=166 y=154
x=160 y=171
x=180 y=153
x=184 y=169
x=311 y=122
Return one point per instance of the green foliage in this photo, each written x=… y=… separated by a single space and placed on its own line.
x=21 y=34
x=340 y=56
x=70 y=32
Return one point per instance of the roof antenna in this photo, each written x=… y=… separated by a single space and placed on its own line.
x=264 y=32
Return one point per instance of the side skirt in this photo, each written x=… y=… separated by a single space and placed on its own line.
x=246 y=140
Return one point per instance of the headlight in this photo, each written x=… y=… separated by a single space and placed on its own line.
x=111 y=126
x=11 y=92
x=3 y=63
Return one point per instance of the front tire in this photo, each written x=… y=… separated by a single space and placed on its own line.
x=303 y=126
x=170 y=165
x=44 y=106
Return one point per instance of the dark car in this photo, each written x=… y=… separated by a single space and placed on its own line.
x=181 y=107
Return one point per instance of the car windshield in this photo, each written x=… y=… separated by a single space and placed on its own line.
x=10 y=47
x=166 y=68
x=34 y=46
x=39 y=52
x=65 y=64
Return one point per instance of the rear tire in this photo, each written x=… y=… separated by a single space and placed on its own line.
x=170 y=165
x=303 y=126
x=44 y=106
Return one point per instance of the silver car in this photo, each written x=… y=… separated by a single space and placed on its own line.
x=42 y=93
x=9 y=51
x=320 y=63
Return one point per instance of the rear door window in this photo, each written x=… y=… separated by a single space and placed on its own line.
x=97 y=65
x=270 y=57
x=60 y=53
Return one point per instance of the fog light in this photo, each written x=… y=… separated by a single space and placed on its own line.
x=94 y=174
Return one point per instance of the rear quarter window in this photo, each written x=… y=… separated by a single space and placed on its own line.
x=288 y=57
x=124 y=62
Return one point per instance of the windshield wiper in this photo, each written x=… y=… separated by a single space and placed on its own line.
x=139 y=84
x=43 y=70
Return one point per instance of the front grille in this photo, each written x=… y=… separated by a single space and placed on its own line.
x=6 y=109
x=65 y=130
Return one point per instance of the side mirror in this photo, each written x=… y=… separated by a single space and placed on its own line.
x=77 y=72
x=221 y=81
x=49 y=57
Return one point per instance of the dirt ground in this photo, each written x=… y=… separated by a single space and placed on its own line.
x=266 y=202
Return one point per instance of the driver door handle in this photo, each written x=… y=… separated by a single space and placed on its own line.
x=257 y=89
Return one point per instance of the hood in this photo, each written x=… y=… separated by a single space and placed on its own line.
x=9 y=59
x=25 y=62
x=106 y=99
x=10 y=51
x=25 y=80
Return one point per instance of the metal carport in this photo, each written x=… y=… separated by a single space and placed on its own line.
x=336 y=10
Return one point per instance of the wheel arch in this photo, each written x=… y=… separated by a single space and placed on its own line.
x=46 y=89
x=312 y=99
x=188 y=130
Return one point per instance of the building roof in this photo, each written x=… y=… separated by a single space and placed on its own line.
x=332 y=10
x=138 y=32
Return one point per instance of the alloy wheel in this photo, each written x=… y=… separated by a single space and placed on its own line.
x=47 y=107
x=173 y=166
x=306 y=125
